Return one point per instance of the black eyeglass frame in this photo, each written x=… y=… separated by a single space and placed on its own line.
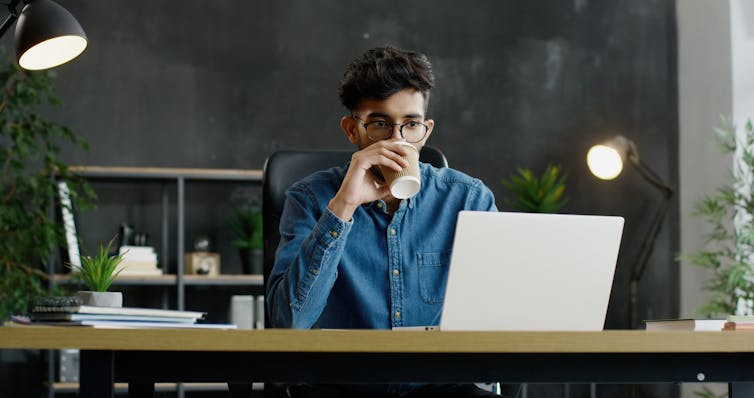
x=392 y=126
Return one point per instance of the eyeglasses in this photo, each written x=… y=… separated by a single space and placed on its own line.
x=378 y=130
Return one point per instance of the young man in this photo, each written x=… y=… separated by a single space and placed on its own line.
x=353 y=256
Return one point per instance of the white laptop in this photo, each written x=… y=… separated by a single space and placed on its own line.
x=522 y=271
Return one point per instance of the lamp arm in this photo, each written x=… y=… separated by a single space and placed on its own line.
x=11 y=18
x=651 y=176
x=647 y=245
x=7 y=23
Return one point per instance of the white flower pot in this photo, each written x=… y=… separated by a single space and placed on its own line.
x=101 y=299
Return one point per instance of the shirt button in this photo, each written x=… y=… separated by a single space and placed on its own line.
x=334 y=234
x=397 y=315
x=379 y=205
x=393 y=231
x=396 y=272
x=315 y=271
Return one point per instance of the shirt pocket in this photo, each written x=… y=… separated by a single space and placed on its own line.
x=433 y=275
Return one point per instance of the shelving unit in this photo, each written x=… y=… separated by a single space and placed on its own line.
x=173 y=180
x=121 y=388
x=171 y=280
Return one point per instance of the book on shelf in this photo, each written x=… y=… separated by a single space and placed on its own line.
x=138 y=261
x=708 y=325
x=128 y=271
x=144 y=254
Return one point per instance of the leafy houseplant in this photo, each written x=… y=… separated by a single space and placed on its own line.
x=730 y=241
x=247 y=228
x=29 y=162
x=534 y=194
x=98 y=273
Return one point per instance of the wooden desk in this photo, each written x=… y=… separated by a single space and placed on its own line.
x=142 y=357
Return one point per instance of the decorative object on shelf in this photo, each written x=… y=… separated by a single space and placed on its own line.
x=729 y=244
x=98 y=273
x=201 y=261
x=242 y=311
x=537 y=195
x=247 y=228
x=126 y=234
x=29 y=147
x=47 y=35
x=606 y=161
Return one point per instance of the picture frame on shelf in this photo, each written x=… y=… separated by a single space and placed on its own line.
x=71 y=253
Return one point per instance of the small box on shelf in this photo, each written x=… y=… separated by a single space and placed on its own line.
x=202 y=263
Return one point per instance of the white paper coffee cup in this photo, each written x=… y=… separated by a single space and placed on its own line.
x=407 y=182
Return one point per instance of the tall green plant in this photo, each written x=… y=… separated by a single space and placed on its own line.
x=532 y=194
x=30 y=146
x=728 y=250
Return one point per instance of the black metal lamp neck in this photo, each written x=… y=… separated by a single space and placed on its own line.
x=13 y=10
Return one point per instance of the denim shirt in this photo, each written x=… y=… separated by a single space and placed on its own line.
x=375 y=271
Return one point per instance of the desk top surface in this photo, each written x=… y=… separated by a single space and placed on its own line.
x=372 y=341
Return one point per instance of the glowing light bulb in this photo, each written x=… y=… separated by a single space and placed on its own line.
x=604 y=162
x=52 y=52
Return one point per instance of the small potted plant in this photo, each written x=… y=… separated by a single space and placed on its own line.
x=98 y=273
x=534 y=194
x=247 y=228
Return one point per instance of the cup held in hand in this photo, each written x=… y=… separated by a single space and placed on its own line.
x=405 y=183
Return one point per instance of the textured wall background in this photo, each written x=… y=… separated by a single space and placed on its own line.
x=222 y=84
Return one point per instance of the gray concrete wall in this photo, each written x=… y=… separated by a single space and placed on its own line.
x=705 y=92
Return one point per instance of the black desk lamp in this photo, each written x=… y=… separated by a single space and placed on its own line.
x=606 y=162
x=47 y=35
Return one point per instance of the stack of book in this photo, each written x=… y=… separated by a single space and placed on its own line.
x=708 y=325
x=138 y=261
x=732 y=323
x=118 y=317
x=739 y=322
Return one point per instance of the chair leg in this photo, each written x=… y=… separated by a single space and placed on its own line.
x=240 y=390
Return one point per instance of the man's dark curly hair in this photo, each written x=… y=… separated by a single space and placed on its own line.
x=382 y=72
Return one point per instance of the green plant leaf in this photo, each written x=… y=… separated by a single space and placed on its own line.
x=29 y=150
x=99 y=272
x=543 y=194
x=246 y=225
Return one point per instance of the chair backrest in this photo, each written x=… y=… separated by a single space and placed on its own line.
x=283 y=168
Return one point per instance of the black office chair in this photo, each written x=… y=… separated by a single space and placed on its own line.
x=281 y=170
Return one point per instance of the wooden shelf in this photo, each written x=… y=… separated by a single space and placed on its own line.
x=171 y=280
x=158 y=387
x=167 y=173
x=224 y=280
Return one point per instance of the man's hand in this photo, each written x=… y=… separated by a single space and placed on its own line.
x=360 y=185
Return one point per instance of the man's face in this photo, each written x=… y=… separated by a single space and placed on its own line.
x=383 y=120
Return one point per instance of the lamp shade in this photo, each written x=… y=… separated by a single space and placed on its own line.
x=47 y=35
x=606 y=160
